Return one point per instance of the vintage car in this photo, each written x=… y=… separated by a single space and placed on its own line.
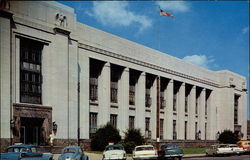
x=219 y=149
x=170 y=151
x=72 y=153
x=245 y=145
x=145 y=152
x=114 y=152
x=25 y=152
x=236 y=149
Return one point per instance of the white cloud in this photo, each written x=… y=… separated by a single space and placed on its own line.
x=245 y=30
x=201 y=60
x=176 y=6
x=116 y=13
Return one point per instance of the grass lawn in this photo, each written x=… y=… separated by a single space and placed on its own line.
x=194 y=150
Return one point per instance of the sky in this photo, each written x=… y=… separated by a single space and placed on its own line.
x=211 y=34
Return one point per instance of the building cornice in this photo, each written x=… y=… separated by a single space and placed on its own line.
x=145 y=64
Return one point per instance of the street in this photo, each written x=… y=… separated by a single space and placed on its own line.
x=242 y=157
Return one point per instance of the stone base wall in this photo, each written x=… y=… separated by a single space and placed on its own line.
x=185 y=144
x=5 y=142
x=84 y=143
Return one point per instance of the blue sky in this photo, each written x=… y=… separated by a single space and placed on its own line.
x=212 y=34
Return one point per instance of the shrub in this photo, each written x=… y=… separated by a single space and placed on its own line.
x=133 y=137
x=228 y=137
x=103 y=136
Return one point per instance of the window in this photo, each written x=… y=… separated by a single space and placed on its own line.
x=185 y=130
x=147 y=124
x=205 y=131
x=114 y=92
x=161 y=128
x=92 y=124
x=174 y=130
x=236 y=102
x=163 y=101
x=186 y=104
x=30 y=71
x=174 y=102
x=113 y=120
x=148 y=100
x=93 y=89
x=131 y=122
x=196 y=132
x=132 y=95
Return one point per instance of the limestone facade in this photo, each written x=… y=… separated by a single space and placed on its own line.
x=86 y=72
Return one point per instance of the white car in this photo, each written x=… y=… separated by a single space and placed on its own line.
x=114 y=152
x=145 y=152
x=236 y=149
x=219 y=149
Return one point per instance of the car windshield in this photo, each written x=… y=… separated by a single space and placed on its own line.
x=18 y=149
x=114 y=147
x=233 y=145
x=222 y=146
x=144 y=148
x=69 y=150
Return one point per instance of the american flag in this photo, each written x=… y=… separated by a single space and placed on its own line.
x=162 y=13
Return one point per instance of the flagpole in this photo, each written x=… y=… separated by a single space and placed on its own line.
x=158 y=31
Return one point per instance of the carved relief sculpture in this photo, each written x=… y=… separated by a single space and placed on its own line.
x=61 y=20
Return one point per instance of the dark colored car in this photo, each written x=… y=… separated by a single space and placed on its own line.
x=73 y=153
x=170 y=151
x=25 y=152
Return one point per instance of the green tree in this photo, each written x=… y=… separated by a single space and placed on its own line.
x=133 y=137
x=228 y=137
x=103 y=136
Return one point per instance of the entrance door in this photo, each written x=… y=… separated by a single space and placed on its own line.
x=31 y=130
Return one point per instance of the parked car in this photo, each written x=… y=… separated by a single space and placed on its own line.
x=114 y=152
x=145 y=152
x=245 y=145
x=73 y=153
x=25 y=152
x=219 y=149
x=236 y=149
x=170 y=151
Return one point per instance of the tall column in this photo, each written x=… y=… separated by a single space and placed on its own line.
x=191 y=114
x=153 y=108
x=201 y=109
x=211 y=118
x=169 y=111
x=83 y=72
x=181 y=112
x=60 y=81
x=104 y=95
x=5 y=74
x=140 y=90
x=123 y=101
x=243 y=113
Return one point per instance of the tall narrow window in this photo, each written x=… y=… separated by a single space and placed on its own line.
x=92 y=123
x=161 y=128
x=196 y=132
x=236 y=103
x=205 y=131
x=186 y=104
x=174 y=102
x=185 y=130
x=131 y=122
x=30 y=71
x=147 y=128
x=132 y=95
x=174 y=130
x=113 y=120
x=114 y=92
x=148 y=98
x=163 y=101
x=93 y=89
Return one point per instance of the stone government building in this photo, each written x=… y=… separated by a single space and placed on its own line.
x=61 y=76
